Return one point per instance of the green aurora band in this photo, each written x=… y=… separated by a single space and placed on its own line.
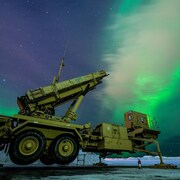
x=143 y=59
x=7 y=111
x=8 y=106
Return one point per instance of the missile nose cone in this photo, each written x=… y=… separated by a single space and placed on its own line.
x=102 y=74
x=98 y=76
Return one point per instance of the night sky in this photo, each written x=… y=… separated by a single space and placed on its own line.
x=136 y=41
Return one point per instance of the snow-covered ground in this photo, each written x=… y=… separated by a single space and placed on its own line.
x=121 y=174
x=146 y=161
x=91 y=158
x=115 y=173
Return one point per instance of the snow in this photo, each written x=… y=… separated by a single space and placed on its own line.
x=146 y=161
x=96 y=174
x=124 y=173
x=91 y=158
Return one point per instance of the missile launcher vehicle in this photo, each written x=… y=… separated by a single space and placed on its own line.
x=36 y=133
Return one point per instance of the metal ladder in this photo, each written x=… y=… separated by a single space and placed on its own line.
x=81 y=158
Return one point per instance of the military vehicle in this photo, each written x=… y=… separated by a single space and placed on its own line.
x=37 y=133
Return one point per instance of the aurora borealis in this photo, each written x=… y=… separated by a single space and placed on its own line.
x=136 y=41
x=144 y=63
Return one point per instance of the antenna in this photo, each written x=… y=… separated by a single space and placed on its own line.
x=60 y=69
x=57 y=79
x=65 y=49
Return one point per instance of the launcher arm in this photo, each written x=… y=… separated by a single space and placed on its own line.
x=71 y=112
x=46 y=98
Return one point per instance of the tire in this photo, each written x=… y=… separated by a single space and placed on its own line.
x=64 y=149
x=47 y=159
x=27 y=147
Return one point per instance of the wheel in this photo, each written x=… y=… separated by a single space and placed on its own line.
x=64 y=149
x=27 y=147
x=47 y=159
